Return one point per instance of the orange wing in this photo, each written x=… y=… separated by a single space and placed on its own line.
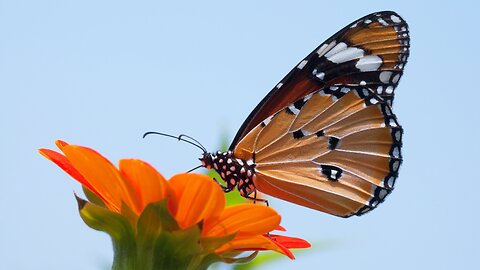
x=336 y=150
x=370 y=52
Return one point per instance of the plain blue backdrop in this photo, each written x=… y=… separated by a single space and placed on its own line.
x=100 y=73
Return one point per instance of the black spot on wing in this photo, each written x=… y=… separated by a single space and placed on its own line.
x=287 y=110
x=332 y=143
x=299 y=103
x=298 y=134
x=331 y=172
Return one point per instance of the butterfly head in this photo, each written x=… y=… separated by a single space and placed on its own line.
x=215 y=160
x=208 y=159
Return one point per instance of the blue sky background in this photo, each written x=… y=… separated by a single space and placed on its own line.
x=101 y=73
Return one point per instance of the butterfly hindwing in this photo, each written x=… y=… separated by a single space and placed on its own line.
x=370 y=52
x=336 y=150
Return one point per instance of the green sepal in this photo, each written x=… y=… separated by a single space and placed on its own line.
x=92 y=197
x=181 y=250
x=261 y=260
x=157 y=214
x=128 y=213
x=210 y=244
x=115 y=225
x=154 y=219
x=246 y=259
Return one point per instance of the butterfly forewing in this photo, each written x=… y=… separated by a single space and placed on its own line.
x=336 y=150
x=371 y=52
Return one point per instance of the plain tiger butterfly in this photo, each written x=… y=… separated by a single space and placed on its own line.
x=325 y=137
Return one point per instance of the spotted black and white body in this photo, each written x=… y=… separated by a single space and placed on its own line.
x=234 y=171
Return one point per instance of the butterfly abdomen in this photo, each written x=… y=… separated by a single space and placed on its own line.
x=234 y=171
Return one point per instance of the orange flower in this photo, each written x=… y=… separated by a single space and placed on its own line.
x=195 y=202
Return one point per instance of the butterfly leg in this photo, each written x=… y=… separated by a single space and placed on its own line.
x=255 y=199
x=224 y=188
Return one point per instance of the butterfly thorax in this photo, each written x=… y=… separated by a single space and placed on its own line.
x=234 y=171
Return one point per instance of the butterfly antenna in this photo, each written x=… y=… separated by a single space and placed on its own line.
x=180 y=138
x=191 y=170
x=184 y=135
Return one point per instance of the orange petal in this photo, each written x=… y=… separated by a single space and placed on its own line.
x=198 y=197
x=60 y=144
x=290 y=242
x=102 y=175
x=255 y=242
x=243 y=218
x=149 y=185
x=65 y=165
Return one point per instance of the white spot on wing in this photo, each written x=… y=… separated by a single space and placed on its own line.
x=369 y=63
x=339 y=47
x=279 y=85
x=396 y=78
x=385 y=76
x=395 y=165
x=365 y=92
x=308 y=97
x=391 y=181
x=293 y=109
x=395 y=19
x=380 y=90
x=365 y=210
x=321 y=49
x=382 y=22
x=345 y=55
x=302 y=64
x=321 y=75
x=325 y=48
x=334 y=174
x=382 y=194
x=367 y=21
x=398 y=135
x=345 y=90
x=389 y=89
x=396 y=151
x=267 y=121
x=392 y=123
x=388 y=111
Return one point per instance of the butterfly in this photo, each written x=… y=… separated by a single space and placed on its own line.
x=325 y=137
